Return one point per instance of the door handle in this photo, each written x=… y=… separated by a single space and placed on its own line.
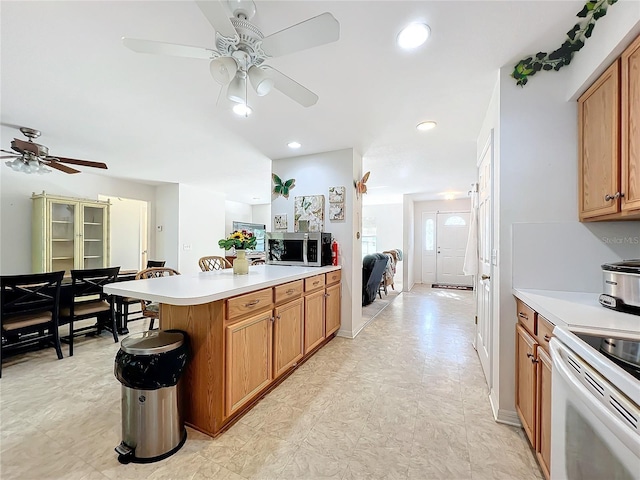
x=485 y=277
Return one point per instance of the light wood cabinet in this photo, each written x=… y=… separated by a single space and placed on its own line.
x=248 y=359
x=313 y=320
x=630 y=100
x=288 y=336
x=69 y=233
x=609 y=142
x=526 y=381
x=543 y=424
x=332 y=309
x=533 y=380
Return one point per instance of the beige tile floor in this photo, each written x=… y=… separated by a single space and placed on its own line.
x=405 y=400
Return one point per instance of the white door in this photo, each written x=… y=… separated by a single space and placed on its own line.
x=428 y=248
x=484 y=297
x=452 y=232
x=129 y=232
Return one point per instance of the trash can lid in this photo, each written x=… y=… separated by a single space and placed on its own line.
x=152 y=342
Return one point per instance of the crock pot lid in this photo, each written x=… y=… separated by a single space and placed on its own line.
x=628 y=266
x=151 y=342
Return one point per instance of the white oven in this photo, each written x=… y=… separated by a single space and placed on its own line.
x=595 y=414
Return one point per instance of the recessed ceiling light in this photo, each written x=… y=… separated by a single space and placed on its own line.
x=423 y=126
x=413 y=35
x=242 y=109
x=449 y=196
x=294 y=145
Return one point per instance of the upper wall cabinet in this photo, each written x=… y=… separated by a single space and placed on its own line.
x=609 y=142
x=69 y=233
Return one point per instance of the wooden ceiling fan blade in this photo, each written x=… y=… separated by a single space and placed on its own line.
x=311 y=33
x=10 y=156
x=7 y=151
x=25 y=146
x=60 y=166
x=291 y=88
x=164 y=48
x=73 y=161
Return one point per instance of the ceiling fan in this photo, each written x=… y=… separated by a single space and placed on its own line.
x=241 y=50
x=33 y=157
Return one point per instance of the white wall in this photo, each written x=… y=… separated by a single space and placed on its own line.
x=314 y=175
x=261 y=214
x=236 y=212
x=408 y=247
x=167 y=225
x=201 y=225
x=389 y=230
x=433 y=206
x=15 y=210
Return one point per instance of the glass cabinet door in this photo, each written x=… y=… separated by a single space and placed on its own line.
x=93 y=236
x=63 y=236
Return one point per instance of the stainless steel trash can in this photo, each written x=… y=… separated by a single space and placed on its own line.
x=149 y=366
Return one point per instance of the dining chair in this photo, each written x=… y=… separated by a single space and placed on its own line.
x=151 y=310
x=258 y=261
x=89 y=301
x=30 y=311
x=208 y=264
x=123 y=303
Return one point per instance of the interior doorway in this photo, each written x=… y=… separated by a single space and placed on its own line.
x=452 y=232
x=129 y=232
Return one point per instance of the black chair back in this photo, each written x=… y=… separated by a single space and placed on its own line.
x=88 y=283
x=155 y=263
x=30 y=310
x=30 y=294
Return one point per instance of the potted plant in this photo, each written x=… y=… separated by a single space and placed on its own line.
x=241 y=241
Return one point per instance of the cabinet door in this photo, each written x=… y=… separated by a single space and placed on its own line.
x=543 y=447
x=93 y=236
x=288 y=339
x=631 y=127
x=526 y=381
x=598 y=140
x=313 y=320
x=64 y=244
x=332 y=309
x=248 y=359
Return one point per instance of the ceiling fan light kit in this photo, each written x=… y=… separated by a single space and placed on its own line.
x=413 y=35
x=242 y=109
x=241 y=49
x=32 y=157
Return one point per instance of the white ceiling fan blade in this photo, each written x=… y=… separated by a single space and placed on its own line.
x=163 y=48
x=218 y=17
x=308 y=34
x=291 y=88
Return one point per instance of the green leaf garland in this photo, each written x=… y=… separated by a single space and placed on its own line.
x=576 y=37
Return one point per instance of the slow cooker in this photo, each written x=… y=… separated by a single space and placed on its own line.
x=621 y=285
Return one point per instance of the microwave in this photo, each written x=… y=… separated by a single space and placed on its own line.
x=312 y=249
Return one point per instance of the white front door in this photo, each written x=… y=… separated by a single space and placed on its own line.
x=485 y=246
x=452 y=233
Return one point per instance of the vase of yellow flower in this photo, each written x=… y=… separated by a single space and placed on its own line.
x=242 y=241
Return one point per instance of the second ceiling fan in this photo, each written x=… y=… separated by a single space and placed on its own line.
x=241 y=50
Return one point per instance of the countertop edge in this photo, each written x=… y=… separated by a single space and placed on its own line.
x=124 y=289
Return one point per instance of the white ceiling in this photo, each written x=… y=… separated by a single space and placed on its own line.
x=154 y=118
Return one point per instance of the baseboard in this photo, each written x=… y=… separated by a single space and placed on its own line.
x=508 y=417
x=344 y=334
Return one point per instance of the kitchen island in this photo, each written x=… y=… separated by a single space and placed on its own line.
x=247 y=333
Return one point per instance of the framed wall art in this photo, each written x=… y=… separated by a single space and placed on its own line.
x=336 y=194
x=280 y=221
x=309 y=208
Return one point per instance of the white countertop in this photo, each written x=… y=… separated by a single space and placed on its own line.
x=580 y=312
x=205 y=287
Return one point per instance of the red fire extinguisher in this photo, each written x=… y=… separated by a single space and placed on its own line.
x=334 y=252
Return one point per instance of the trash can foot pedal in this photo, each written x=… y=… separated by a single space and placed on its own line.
x=125 y=453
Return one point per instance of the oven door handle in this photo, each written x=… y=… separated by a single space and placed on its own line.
x=578 y=391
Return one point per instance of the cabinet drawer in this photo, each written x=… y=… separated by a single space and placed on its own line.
x=250 y=302
x=334 y=277
x=526 y=316
x=288 y=291
x=313 y=283
x=545 y=329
